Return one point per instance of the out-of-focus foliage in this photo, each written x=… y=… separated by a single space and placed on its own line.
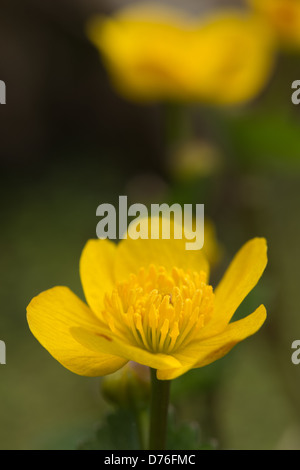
x=118 y=430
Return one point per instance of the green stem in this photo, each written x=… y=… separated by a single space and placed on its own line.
x=160 y=393
x=178 y=126
x=139 y=419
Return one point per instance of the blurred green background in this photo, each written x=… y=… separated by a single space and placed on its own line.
x=67 y=144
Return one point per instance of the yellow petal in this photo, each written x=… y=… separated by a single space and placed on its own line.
x=163 y=54
x=134 y=254
x=109 y=344
x=50 y=316
x=148 y=51
x=96 y=271
x=284 y=17
x=216 y=347
x=240 y=278
x=211 y=349
x=170 y=374
x=238 y=52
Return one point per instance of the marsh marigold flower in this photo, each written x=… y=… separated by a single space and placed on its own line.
x=284 y=18
x=154 y=53
x=148 y=301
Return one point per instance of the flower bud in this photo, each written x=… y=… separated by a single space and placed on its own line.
x=129 y=387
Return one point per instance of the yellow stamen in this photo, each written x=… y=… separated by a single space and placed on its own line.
x=160 y=311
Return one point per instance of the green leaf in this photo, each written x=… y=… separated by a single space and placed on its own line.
x=117 y=432
x=265 y=138
x=185 y=436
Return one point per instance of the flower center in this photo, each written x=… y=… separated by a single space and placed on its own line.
x=159 y=311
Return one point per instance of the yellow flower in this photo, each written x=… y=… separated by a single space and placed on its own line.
x=283 y=16
x=148 y=301
x=153 y=53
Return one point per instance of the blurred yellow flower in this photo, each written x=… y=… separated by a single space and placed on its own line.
x=194 y=159
x=283 y=16
x=153 y=53
x=149 y=301
x=212 y=248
